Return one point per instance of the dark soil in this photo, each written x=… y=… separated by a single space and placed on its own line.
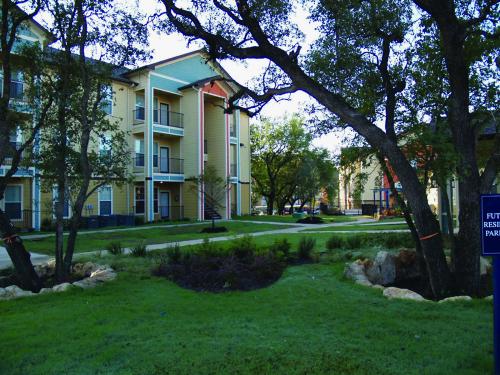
x=214 y=230
x=222 y=273
x=311 y=220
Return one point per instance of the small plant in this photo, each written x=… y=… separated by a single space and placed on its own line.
x=115 y=248
x=174 y=254
x=139 y=220
x=306 y=246
x=139 y=250
x=353 y=242
x=334 y=242
x=207 y=249
x=279 y=247
x=243 y=247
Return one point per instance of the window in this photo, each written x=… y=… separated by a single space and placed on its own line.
x=107 y=100
x=105 y=201
x=16 y=84
x=139 y=200
x=155 y=155
x=55 y=196
x=139 y=153
x=13 y=202
x=155 y=200
x=139 y=107
x=105 y=145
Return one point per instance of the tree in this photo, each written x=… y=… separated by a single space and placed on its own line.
x=357 y=72
x=82 y=148
x=276 y=151
x=16 y=55
x=213 y=189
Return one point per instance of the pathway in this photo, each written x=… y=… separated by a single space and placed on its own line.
x=297 y=228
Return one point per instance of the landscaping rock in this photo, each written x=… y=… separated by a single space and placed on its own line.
x=456 y=298
x=106 y=274
x=14 y=291
x=396 y=293
x=406 y=265
x=377 y=286
x=356 y=271
x=383 y=269
x=45 y=290
x=489 y=298
x=62 y=287
x=84 y=269
x=87 y=283
x=3 y=293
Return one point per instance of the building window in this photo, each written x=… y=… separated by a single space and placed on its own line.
x=107 y=100
x=139 y=153
x=105 y=201
x=105 y=146
x=13 y=202
x=16 y=84
x=139 y=107
x=55 y=199
x=155 y=155
x=139 y=200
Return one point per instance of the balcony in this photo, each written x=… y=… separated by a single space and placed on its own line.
x=168 y=118
x=168 y=165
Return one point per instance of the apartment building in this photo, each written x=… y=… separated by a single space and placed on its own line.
x=173 y=113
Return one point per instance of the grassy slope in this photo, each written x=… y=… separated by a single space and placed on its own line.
x=291 y=219
x=99 y=241
x=311 y=322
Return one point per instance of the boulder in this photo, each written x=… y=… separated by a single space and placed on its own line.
x=456 y=298
x=356 y=271
x=406 y=265
x=377 y=286
x=84 y=269
x=383 y=269
x=61 y=287
x=488 y=298
x=87 y=283
x=45 y=290
x=396 y=293
x=106 y=274
x=14 y=291
x=3 y=293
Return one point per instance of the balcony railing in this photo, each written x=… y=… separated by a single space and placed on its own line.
x=168 y=118
x=168 y=165
x=234 y=170
x=160 y=165
x=138 y=115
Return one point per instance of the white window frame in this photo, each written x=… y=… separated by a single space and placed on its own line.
x=108 y=98
x=54 y=193
x=99 y=199
x=2 y=201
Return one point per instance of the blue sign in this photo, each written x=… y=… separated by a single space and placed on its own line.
x=490 y=224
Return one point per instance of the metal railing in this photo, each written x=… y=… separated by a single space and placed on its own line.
x=168 y=165
x=234 y=170
x=168 y=118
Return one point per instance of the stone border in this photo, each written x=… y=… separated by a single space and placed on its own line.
x=93 y=275
x=382 y=270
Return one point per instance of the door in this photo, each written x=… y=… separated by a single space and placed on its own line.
x=164 y=120
x=164 y=204
x=164 y=163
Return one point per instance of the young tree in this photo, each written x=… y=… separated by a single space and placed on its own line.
x=83 y=149
x=213 y=189
x=276 y=154
x=17 y=56
x=357 y=71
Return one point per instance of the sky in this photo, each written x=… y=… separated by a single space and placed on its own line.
x=165 y=46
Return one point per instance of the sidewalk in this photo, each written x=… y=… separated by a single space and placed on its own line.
x=297 y=228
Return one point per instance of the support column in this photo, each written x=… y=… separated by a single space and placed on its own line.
x=35 y=201
x=238 y=162
x=148 y=148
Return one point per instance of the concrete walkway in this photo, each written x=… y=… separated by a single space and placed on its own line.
x=296 y=228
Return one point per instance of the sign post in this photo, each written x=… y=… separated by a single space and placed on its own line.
x=490 y=245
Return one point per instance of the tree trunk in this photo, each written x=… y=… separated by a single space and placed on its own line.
x=25 y=272
x=61 y=275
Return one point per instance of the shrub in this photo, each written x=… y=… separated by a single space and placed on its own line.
x=173 y=254
x=306 y=246
x=139 y=220
x=139 y=250
x=207 y=249
x=281 y=247
x=243 y=247
x=353 y=242
x=334 y=242
x=115 y=248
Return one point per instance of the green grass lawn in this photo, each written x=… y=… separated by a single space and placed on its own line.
x=99 y=241
x=311 y=321
x=359 y=227
x=291 y=219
